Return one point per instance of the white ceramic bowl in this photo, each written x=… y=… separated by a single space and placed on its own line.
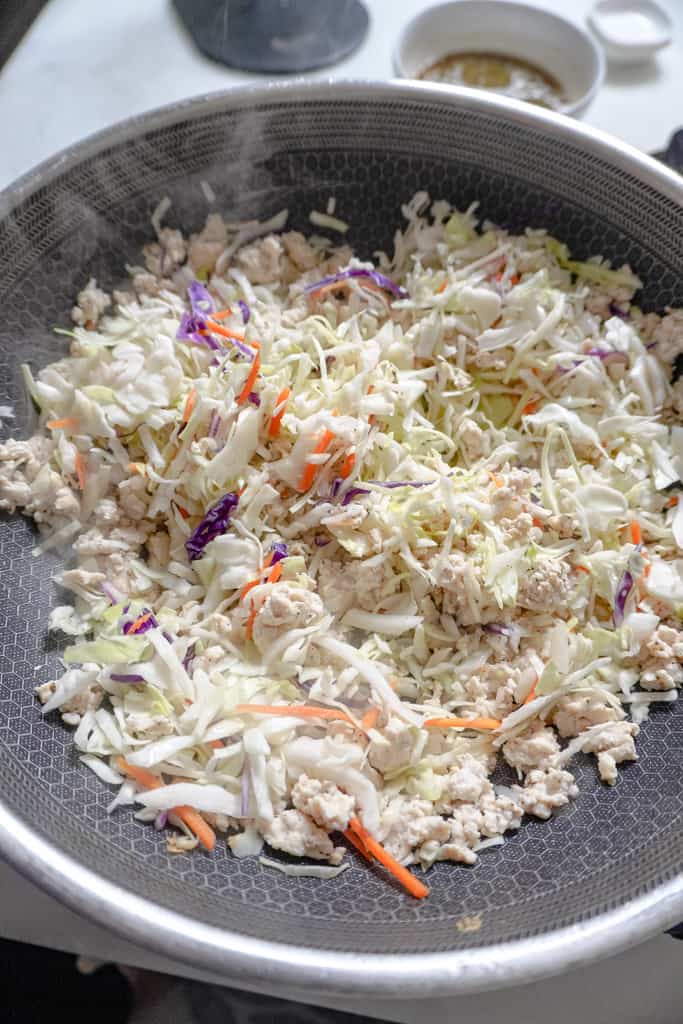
x=630 y=31
x=500 y=26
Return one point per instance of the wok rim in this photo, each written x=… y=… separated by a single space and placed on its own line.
x=231 y=954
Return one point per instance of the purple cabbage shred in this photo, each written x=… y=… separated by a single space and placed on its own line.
x=374 y=275
x=498 y=629
x=161 y=820
x=336 y=484
x=352 y=493
x=608 y=353
x=623 y=591
x=150 y=623
x=615 y=311
x=201 y=302
x=189 y=656
x=126 y=677
x=401 y=483
x=278 y=552
x=320 y=541
x=254 y=398
x=214 y=523
x=244 y=310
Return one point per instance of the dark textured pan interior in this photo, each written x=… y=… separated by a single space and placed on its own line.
x=90 y=219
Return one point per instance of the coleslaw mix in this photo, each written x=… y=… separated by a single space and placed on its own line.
x=347 y=535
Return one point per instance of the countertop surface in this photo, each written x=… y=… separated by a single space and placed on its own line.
x=85 y=65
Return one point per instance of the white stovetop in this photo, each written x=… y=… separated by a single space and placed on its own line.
x=85 y=64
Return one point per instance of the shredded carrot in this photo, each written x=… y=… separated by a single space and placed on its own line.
x=223 y=331
x=183 y=511
x=216 y=744
x=275 y=573
x=530 y=408
x=140 y=621
x=442 y=287
x=358 y=843
x=636 y=532
x=137 y=467
x=646 y=570
x=537 y=522
x=251 y=379
x=294 y=710
x=79 y=463
x=139 y=775
x=189 y=405
x=413 y=885
x=671 y=503
x=68 y=421
x=369 y=719
x=347 y=466
x=221 y=314
x=582 y=568
x=194 y=821
x=308 y=475
x=462 y=723
x=282 y=398
x=495 y=480
x=251 y=620
x=532 y=693
x=249 y=586
x=515 y=279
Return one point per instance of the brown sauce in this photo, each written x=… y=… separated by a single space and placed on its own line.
x=508 y=76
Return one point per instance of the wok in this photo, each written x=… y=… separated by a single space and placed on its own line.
x=603 y=875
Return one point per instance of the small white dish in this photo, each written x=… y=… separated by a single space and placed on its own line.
x=515 y=29
x=630 y=30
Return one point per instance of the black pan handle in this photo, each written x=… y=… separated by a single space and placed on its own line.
x=672 y=156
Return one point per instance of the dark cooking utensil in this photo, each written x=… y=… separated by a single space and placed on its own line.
x=275 y=36
x=600 y=876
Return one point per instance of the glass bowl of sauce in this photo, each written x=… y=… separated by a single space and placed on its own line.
x=511 y=49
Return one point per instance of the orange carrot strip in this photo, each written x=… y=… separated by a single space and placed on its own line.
x=249 y=586
x=347 y=466
x=276 y=420
x=530 y=408
x=140 y=775
x=189 y=405
x=293 y=710
x=671 y=503
x=537 y=522
x=416 y=888
x=216 y=744
x=223 y=331
x=532 y=693
x=80 y=470
x=582 y=568
x=137 y=467
x=369 y=719
x=221 y=314
x=515 y=279
x=251 y=620
x=194 y=821
x=308 y=475
x=495 y=480
x=636 y=532
x=646 y=570
x=442 y=287
x=140 y=621
x=462 y=723
x=275 y=573
x=68 y=421
x=251 y=379
x=358 y=843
